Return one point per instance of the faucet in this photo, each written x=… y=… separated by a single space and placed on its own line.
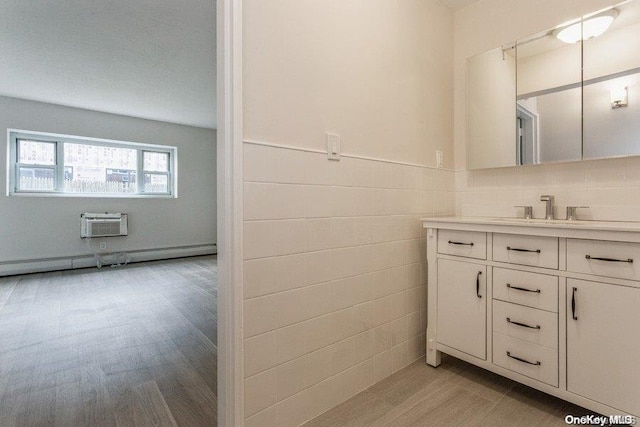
x=549 y=201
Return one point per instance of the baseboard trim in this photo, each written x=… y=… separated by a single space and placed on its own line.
x=86 y=261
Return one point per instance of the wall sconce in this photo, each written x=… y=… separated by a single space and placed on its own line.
x=619 y=97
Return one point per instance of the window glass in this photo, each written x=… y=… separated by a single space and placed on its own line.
x=156 y=162
x=99 y=169
x=36 y=179
x=36 y=152
x=64 y=164
x=156 y=183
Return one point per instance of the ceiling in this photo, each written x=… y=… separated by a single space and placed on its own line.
x=153 y=59
x=457 y=4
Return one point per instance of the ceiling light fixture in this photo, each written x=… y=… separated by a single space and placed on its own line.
x=588 y=28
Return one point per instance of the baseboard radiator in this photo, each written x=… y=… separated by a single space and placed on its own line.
x=12 y=268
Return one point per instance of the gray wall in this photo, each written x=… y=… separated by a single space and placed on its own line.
x=48 y=227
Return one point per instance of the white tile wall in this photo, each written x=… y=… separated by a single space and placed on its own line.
x=611 y=189
x=334 y=290
x=334 y=276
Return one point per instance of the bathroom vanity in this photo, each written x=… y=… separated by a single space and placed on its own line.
x=551 y=304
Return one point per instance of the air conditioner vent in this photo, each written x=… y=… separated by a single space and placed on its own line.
x=103 y=225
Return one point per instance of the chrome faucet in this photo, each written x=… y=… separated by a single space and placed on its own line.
x=549 y=201
x=528 y=211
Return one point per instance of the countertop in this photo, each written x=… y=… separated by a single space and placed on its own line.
x=558 y=227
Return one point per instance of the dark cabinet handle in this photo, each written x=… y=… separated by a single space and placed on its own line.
x=478 y=284
x=524 y=325
x=629 y=260
x=509 y=248
x=517 y=288
x=537 y=363
x=451 y=242
x=573 y=304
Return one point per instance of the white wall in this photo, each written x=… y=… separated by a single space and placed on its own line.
x=378 y=72
x=334 y=255
x=334 y=276
x=49 y=227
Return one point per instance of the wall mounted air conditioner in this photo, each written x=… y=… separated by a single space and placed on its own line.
x=103 y=224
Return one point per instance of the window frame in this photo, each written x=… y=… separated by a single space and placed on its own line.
x=13 y=166
x=54 y=167
x=142 y=171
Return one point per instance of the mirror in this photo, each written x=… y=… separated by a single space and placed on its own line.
x=548 y=113
x=573 y=88
x=491 y=89
x=612 y=87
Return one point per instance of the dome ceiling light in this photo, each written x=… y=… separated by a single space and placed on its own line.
x=586 y=29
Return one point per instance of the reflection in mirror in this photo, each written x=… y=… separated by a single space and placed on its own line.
x=549 y=116
x=611 y=85
x=491 y=89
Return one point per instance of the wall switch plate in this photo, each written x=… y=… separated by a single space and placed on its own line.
x=333 y=146
x=439 y=159
x=103 y=245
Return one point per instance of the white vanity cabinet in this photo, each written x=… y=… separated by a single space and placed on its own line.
x=462 y=289
x=553 y=305
x=603 y=343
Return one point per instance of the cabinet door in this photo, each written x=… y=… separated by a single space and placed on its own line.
x=603 y=343
x=462 y=307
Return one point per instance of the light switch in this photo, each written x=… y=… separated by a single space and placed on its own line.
x=333 y=146
x=439 y=159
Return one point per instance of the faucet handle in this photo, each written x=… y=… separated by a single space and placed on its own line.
x=546 y=198
x=528 y=211
x=571 y=212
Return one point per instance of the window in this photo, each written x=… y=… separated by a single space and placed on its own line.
x=69 y=165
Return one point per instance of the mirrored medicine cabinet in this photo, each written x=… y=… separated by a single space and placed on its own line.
x=566 y=94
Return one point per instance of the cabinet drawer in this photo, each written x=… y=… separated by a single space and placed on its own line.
x=535 y=361
x=470 y=244
x=530 y=289
x=526 y=250
x=528 y=324
x=621 y=259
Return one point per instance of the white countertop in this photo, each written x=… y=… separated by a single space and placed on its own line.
x=556 y=224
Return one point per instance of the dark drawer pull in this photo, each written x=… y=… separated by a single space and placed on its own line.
x=629 y=260
x=517 y=288
x=522 y=360
x=524 y=325
x=451 y=242
x=509 y=248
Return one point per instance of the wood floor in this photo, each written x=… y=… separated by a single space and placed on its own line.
x=126 y=346
x=455 y=394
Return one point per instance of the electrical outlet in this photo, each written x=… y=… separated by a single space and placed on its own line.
x=103 y=245
x=439 y=159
